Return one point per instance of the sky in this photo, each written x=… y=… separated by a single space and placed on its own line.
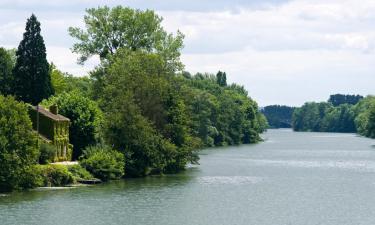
x=283 y=51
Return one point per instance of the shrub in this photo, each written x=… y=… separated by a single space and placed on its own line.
x=18 y=149
x=55 y=175
x=47 y=153
x=103 y=162
x=80 y=173
x=32 y=177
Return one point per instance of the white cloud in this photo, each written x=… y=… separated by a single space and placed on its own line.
x=302 y=50
x=285 y=53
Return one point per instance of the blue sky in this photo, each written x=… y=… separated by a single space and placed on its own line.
x=283 y=52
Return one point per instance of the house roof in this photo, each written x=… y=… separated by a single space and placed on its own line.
x=56 y=117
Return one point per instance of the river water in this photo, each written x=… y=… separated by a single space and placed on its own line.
x=289 y=179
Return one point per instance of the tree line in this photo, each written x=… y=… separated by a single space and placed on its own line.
x=137 y=113
x=341 y=113
x=278 y=116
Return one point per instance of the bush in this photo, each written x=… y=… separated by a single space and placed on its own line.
x=47 y=153
x=103 y=162
x=18 y=148
x=32 y=177
x=80 y=173
x=55 y=175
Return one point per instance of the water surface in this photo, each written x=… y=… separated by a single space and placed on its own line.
x=291 y=178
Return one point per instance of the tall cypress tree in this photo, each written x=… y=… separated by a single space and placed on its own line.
x=32 y=80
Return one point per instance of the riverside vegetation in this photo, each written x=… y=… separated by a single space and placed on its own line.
x=342 y=113
x=278 y=116
x=138 y=113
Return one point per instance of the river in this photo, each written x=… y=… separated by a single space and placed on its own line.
x=289 y=179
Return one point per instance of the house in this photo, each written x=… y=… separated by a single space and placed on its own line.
x=54 y=129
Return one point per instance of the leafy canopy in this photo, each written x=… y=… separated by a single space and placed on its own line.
x=108 y=29
x=147 y=118
x=18 y=146
x=65 y=82
x=6 y=76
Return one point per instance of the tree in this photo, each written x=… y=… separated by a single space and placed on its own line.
x=339 y=119
x=85 y=117
x=365 y=116
x=325 y=117
x=65 y=82
x=18 y=146
x=278 y=116
x=148 y=118
x=309 y=117
x=12 y=53
x=58 y=80
x=131 y=133
x=109 y=29
x=6 y=67
x=203 y=106
x=339 y=99
x=32 y=81
x=221 y=115
x=221 y=78
x=371 y=122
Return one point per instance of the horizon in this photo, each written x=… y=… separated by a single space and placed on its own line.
x=283 y=52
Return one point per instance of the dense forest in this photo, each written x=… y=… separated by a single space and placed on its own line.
x=278 y=116
x=137 y=113
x=342 y=113
x=339 y=99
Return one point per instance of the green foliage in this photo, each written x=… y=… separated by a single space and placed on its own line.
x=49 y=175
x=58 y=79
x=6 y=76
x=57 y=131
x=47 y=153
x=83 y=85
x=148 y=116
x=345 y=117
x=155 y=117
x=309 y=117
x=80 y=173
x=109 y=29
x=221 y=78
x=103 y=162
x=18 y=146
x=32 y=177
x=278 y=116
x=64 y=82
x=365 y=121
x=371 y=123
x=339 y=99
x=13 y=56
x=55 y=175
x=221 y=115
x=339 y=119
x=32 y=81
x=85 y=117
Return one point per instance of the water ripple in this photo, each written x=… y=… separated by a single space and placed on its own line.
x=363 y=165
x=236 y=180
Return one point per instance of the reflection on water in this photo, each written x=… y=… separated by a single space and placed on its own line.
x=291 y=178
